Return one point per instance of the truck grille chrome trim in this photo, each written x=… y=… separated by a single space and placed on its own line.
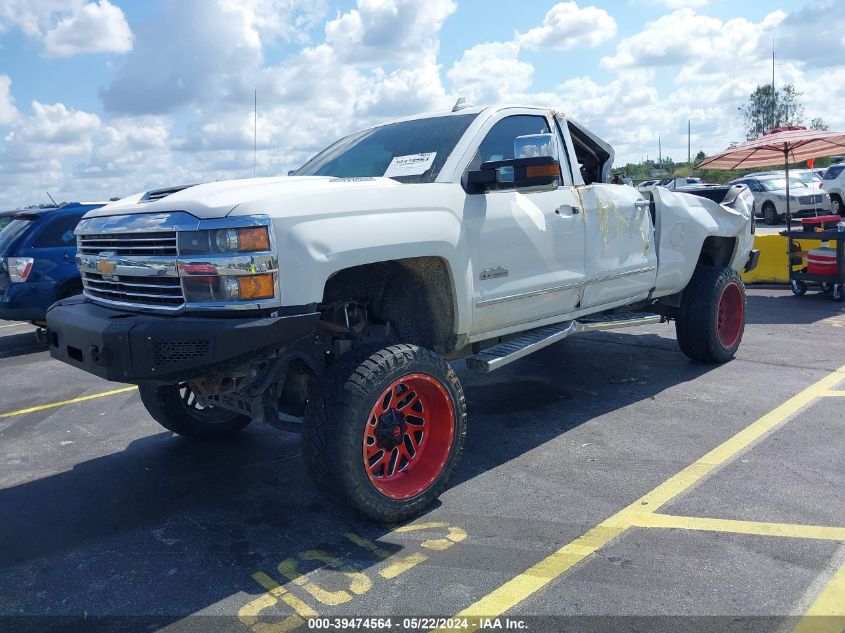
x=152 y=291
x=163 y=243
x=133 y=261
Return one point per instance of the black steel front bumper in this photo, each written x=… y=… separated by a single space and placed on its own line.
x=130 y=347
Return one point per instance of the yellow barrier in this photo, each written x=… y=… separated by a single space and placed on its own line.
x=772 y=267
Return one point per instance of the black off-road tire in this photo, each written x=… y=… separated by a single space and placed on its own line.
x=703 y=333
x=176 y=409
x=336 y=421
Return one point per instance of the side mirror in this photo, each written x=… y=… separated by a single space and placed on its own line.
x=540 y=173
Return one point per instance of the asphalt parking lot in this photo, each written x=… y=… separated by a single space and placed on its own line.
x=607 y=483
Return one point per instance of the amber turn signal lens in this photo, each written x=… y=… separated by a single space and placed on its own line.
x=254 y=239
x=540 y=171
x=255 y=287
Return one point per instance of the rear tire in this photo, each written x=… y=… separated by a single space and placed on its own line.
x=711 y=319
x=385 y=431
x=799 y=288
x=175 y=407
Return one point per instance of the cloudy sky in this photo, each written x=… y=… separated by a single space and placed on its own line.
x=111 y=97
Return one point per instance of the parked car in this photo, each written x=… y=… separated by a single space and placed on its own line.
x=834 y=186
x=770 y=198
x=331 y=301
x=676 y=183
x=37 y=265
x=6 y=217
x=810 y=177
x=646 y=185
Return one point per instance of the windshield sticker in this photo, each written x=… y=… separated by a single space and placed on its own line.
x=410 y=165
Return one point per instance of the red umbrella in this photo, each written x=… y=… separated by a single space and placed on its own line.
x=791 y=144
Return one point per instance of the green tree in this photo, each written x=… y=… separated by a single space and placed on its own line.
x=699 y=157
x=769 y=108
x=819 y=124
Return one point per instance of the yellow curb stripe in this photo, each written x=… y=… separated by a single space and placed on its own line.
x=789 y=530
x=538 y=576
x=827 y=613
x=52 y=405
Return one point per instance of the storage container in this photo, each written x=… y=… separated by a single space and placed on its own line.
x=822 y=261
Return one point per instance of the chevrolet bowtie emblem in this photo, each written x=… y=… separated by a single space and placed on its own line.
x=106 y=265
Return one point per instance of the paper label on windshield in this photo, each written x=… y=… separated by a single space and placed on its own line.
x=410 y=165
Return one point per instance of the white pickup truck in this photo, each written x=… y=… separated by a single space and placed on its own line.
x=333 y=299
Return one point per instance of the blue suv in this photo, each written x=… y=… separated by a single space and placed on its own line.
x=38 y=260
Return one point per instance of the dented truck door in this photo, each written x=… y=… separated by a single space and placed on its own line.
x=621 y=261
x=528 y=258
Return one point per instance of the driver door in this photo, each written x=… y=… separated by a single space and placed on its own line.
x=528 y=246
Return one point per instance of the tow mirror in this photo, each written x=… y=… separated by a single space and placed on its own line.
x=535 y=168
x=541 y=173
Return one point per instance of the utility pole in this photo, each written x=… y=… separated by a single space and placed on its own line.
x=659 y=154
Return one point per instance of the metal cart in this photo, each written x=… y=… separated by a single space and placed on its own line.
x=801 y=279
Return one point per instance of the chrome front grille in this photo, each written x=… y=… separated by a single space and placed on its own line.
x=159 y=243
x=135 y=261
x=147 y=291
x=810 y=199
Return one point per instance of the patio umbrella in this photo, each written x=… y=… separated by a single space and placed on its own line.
x=792 y=144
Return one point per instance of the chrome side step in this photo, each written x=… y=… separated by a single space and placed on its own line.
x=535 y=340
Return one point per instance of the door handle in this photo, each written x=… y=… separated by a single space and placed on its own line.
x=641 y=204
x=565 y=207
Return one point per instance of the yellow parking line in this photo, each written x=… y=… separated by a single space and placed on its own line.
x=538 y=576
x=827 y=613
x=789 y=530
x=52 y=405
x=833 y=394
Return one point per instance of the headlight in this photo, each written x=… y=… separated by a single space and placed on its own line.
x=245 y=240
x=226 y=240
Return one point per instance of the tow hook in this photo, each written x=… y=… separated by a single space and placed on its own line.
x=97 y=357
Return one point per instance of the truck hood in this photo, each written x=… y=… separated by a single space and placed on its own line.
x=214 y=200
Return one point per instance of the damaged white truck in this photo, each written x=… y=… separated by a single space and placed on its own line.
x=332 y=300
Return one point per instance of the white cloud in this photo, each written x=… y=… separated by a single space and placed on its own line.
x=680 y=4
x=388 y=31
x=98 y=27
x=568 y=26
x=52 y=130
x=487 y=73
x=8 y=111
x=220 y=58
x=272 y=20
x=34 y=17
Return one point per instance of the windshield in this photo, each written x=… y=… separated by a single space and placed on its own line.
x=778 y=184
x=408 y=151
x=807 y=177
x=12 y=232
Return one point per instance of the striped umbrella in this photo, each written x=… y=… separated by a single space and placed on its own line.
x=792 y=144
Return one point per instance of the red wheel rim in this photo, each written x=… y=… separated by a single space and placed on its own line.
x=408 y=436
x=730 y=315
